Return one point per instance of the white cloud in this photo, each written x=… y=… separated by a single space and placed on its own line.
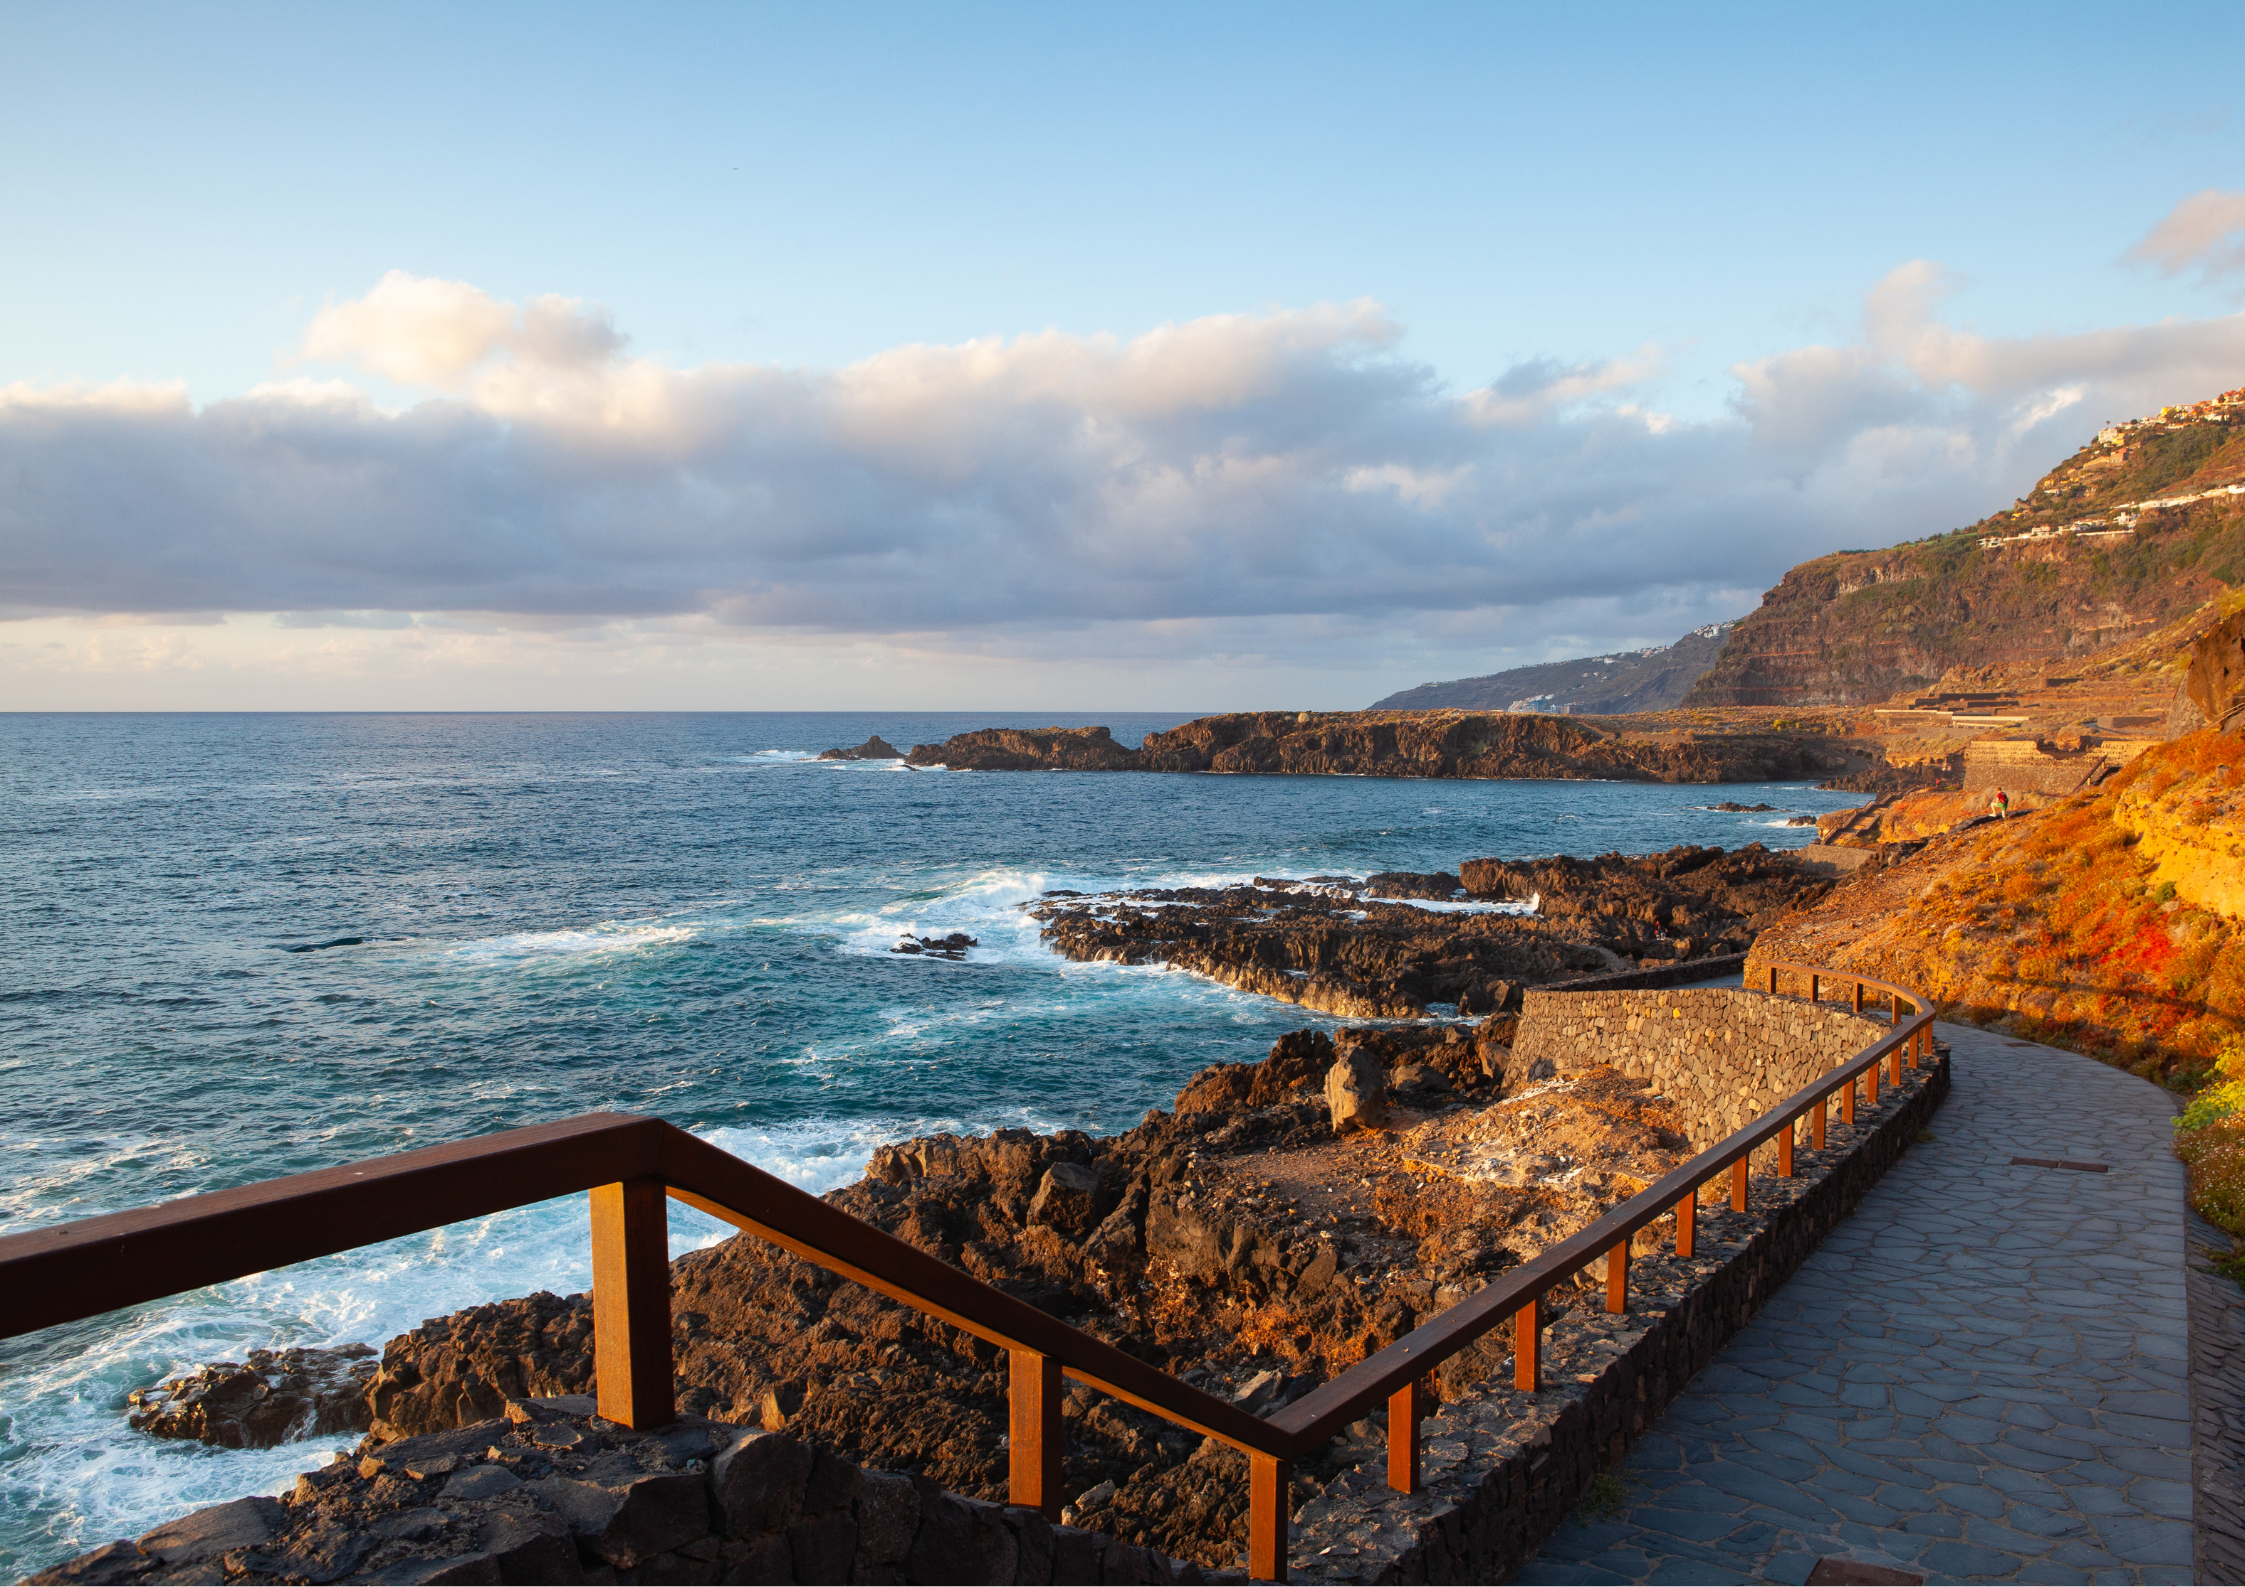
x=2198 y=234
x=423 y=332
x=1285 y=484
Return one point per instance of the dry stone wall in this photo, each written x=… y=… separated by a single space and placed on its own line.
x=1724 y=1056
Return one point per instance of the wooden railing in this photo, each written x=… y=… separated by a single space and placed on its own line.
x=630 y=1164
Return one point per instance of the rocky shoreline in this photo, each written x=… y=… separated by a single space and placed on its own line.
x=1239 y=1241
x=1287 y=1218
x=1360 y=948
x=1671 y=747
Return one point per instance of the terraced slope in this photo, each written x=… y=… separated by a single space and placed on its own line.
x=2133 y=531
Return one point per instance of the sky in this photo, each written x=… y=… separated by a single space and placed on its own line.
x=1012 y=357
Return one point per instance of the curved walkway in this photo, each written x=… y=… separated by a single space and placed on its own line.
x=1983 y=1375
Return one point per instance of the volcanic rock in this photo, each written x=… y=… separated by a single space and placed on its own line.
x=1356 y=1092
x=269 y=1398
x=874 y=748
x=1328 y=944
x=1714 y=899
x=1027 y=749
x=954 y=946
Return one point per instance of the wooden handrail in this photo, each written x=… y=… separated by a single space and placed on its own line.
x=631 y=1163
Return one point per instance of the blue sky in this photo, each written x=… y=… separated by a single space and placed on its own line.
x=1604 y=214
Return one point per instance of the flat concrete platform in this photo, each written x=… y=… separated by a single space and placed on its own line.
x=1983 y=1375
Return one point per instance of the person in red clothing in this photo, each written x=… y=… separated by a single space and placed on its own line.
x=2000 y=806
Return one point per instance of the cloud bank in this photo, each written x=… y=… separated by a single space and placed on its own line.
x=1288 y=479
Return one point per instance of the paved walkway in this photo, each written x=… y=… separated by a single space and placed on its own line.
x=1983 y=1375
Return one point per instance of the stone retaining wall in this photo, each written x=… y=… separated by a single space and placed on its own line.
x=1724 y=1056
x=1502 y=1469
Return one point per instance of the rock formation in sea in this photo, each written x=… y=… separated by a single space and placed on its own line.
x=1344 y=946
x=874 y=748
x=1429 y=744
x=1028 y=749
x=270 y=1397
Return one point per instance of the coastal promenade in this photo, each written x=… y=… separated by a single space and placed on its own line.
x=1983 y=1375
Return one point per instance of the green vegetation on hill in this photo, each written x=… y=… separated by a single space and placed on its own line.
x=2131 y=532
x=1627 y=681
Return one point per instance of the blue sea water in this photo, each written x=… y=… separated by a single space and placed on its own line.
x=684 y=915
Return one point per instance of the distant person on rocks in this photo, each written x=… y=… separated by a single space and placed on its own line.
x=2000 y=806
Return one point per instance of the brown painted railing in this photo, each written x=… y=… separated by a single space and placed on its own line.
x=630 y=1164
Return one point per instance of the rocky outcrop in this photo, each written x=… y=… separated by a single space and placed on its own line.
x=551 y=1493
x=269 y=1398
x=1684 y=904
x=874 y=748
x=1325 y=947
x=2215 y=677
x=465 y=1367
x=1425 y=744
x=1462 y=744
x=954 y=946
x=1335 y=944
x=1027 y=749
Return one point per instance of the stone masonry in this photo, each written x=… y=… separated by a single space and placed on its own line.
x=1723 y=1056
x=1503 y=1469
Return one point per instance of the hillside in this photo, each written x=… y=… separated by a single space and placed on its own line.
x=2105 y=922
x=1654 y=679
x=2138 y=528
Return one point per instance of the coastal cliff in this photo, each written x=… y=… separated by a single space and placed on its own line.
x=2138 y=528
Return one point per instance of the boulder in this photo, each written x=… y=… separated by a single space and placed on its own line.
x=1419 y=1077
x=1067 y=1199
x=1356 y=1091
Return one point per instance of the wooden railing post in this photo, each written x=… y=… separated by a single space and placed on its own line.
x=1033 y=1438
x=1268 y=1479
x=1785 y=1152
x=1847 y=1103
x=631 y=1302
x=1405 y=1406
x=1816 y=1123
x=1871 y=1086
x=1687 y=1219
x=1738 y=1185
x=1617 y=1277
x=1527 y=1346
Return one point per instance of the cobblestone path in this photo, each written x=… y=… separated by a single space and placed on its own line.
x=1983 y=1375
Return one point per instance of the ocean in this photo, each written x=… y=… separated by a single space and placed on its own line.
x=684 y=915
